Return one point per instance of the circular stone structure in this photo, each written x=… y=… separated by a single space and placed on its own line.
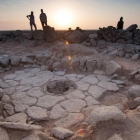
x=58 y=87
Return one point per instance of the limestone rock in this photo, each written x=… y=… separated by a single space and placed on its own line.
x=112 y=67
x=17 y=118
x=109 y=86
x=90 y=65
x=15 y=60
x=38 y=35
x=82 y=85
x=65 y=61
x=134 y=91
x=70 y=120
x=61 y=133
x=10 y=77
x=9 y=109
x=37 y=113
x=58 y=112
x=103 y=78
x=75 y=62
x=57 y=65
x=43 y=57
x=73 y=105
x=75 y=37
x=104 y=114
x=3 y=134
x=6 y=99
x=102 y=44
x=91 y=79
x=4 y=61
x=77 y=94
x=20 y=126
x=49 y=101
x=97 y=92
x=91 y=101
x=31 y=137
x=135 y=103
x=132 y=27
x=93 y=42
x=135 y=57
x=95 y=35
x=27 y=60
x=116 y=137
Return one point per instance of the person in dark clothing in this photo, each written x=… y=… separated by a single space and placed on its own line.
x=43 y=18
x=120 y=23
x=32 y=20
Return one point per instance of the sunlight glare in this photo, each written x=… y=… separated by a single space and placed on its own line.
x=63 y=17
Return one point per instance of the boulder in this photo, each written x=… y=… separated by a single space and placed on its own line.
x=27 y=60
x=90 y=64
x=43 y=57
x=134 y=91
x=50 y=34
x=65 y=61
x=93 y=42
x=132 y=27
x=15 y=60
x=135 y=103
x=105 y=113
x=38 y=35
x=102 y=44
x=61 y=133
x=4 y=61
x=112 y=67
x=76 y=37
x=135 y=57
x=93 y=36
x=121 y=41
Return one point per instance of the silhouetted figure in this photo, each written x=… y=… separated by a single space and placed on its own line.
x=32 y=20
x=43 y=18
x=120 y=23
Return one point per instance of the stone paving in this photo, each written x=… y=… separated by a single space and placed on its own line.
x=26 y=90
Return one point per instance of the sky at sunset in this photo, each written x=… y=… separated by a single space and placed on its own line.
x=62 y=14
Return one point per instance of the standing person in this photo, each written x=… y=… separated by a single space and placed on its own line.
x=43 y=18
x=32 y=20
x=120 y=23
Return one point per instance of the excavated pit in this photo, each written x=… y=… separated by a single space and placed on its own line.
x=59 y=87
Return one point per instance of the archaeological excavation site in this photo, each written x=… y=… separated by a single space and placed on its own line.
x=73 y=84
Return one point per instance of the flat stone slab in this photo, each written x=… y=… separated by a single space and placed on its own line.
x=118 y=82
x=4 y=85
x=24 y=76
x=91 y=101
x=10 y=77
x=105 y=113
x=20 y=126
x=98 y=72
x=18 y=95
x=58 y=112
x=23 y=88
x=91 y=79
x=116 y=137
x=73 y=105
x=28 y=81
x=103 y=78
x=35 y=92
x=96 y=92
x=109 y=86
x=35 y=70
x=61 y=133
x=3 y=134
x=40 y=82
x=77 y=94
x=10 y=90
x=37 y=113
x=72 y=77
x=82 y=85
x=70 y=120
x=60 y=73
x=31 y=137
x=17 y=118
x=45 y=74
x=49 y=101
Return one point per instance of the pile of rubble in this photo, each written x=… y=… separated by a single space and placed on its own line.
x=129 y=36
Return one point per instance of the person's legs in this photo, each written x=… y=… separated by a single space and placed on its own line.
x=45 y=23
x=31 y=27
x=35 y=26
x=42 y=25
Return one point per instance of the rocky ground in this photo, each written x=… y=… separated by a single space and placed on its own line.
x=56 y=90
